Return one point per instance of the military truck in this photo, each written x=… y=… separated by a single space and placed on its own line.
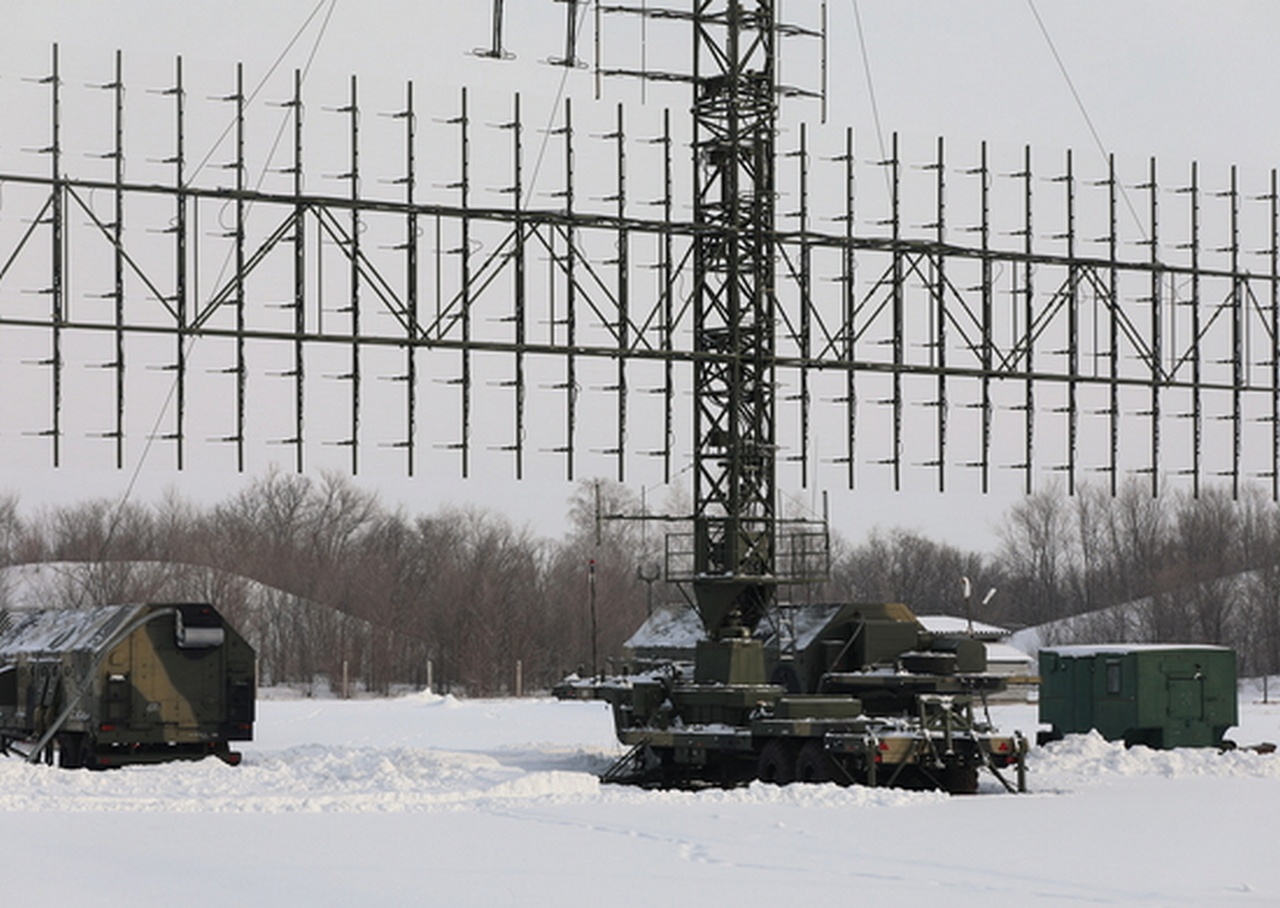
x=862 y=694
x=123 y=684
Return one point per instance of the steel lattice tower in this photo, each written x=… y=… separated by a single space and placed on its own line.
x=735 y=118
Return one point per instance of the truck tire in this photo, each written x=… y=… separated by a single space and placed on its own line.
x=69 y=751
x=960 y=779
x=785 y=677
x=76 y=751
x=777 y=763
x=814 y=764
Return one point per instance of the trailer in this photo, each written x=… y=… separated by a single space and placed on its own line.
x=1160 y=696
x=123 y=684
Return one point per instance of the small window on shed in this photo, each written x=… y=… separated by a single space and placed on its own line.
x=1113 y=677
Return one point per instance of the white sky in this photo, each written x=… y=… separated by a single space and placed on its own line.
x=1177 y=79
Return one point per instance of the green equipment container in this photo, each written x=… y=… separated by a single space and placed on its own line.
x=1160 y=696
x=121 y=684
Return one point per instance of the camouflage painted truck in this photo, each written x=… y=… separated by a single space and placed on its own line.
x=123 y=684
x=855 y=694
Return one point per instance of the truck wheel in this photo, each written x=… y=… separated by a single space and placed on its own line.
x=777 y=763
x=89 y=752
x=785 y=677
x=70 y=755
x=957 y=779
x=814 y=763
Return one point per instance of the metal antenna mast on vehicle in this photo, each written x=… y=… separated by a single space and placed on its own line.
x=734 y=79
x=731 y=559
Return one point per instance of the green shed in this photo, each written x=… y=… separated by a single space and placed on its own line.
x=1160 y=696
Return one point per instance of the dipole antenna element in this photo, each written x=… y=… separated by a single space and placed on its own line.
x=495 y=50
x=570 y=58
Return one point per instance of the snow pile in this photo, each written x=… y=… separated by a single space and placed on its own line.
x=418 y=753
x=1261 y=690
x=1082 y=760
x=308 y=779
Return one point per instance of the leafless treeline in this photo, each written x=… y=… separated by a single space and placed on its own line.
x=1200 y=569
x=317 y=572
x=1197 y=569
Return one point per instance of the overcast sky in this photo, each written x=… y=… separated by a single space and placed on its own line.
x=1177 y=79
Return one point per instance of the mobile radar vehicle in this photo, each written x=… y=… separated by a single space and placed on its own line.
x=122 y=684
x=846 y=693
x=873 y=699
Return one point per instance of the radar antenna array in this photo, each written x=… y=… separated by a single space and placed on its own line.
x=985 y=314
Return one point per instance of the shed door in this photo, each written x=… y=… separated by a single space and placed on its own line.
x=1186 y=698
x=1083 y=694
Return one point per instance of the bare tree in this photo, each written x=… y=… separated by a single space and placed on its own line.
x=903 y=566
x=1037 y=556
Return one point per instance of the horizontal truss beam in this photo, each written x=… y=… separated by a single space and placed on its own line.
x=1101 y=355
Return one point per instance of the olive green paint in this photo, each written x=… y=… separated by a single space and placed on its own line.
x=1176 y=696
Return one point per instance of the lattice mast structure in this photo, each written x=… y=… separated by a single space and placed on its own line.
x=733 y=565
x=735 y=570
x=735 y=121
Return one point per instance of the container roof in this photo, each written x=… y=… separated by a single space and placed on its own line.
x=1121 y=649
x=952 y=625
x=1003 y=653
x=37 y=632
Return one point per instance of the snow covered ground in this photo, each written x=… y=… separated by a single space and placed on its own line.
x=426 y=800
